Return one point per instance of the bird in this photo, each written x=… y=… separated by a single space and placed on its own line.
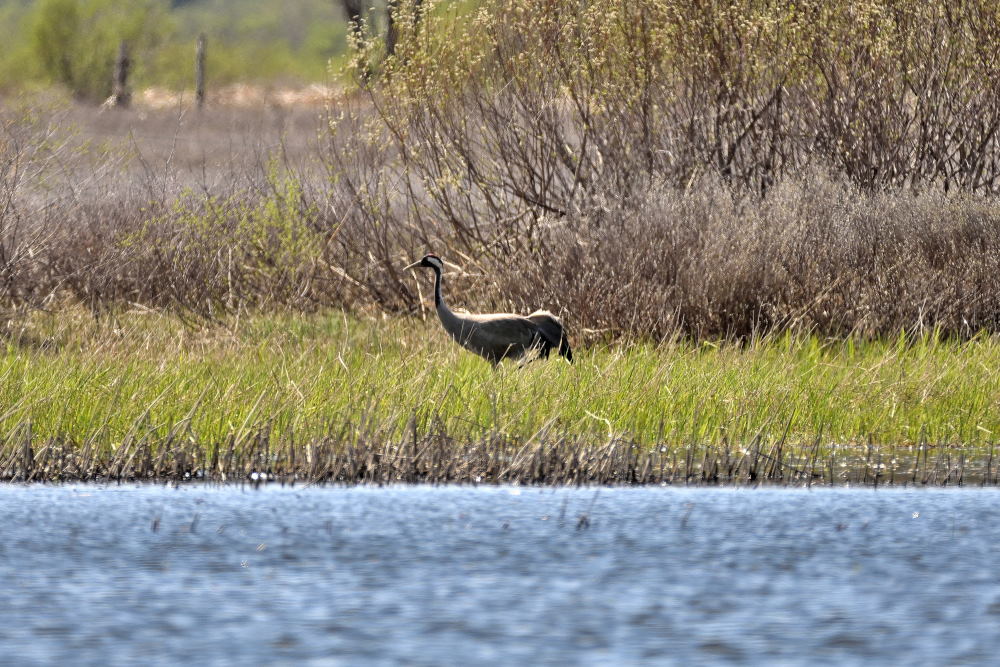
x=498 y=336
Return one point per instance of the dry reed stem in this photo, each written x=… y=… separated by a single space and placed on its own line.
x=435 y=458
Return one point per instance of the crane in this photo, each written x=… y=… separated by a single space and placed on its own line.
x=497 y=336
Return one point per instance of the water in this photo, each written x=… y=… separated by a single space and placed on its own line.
x=148 y=575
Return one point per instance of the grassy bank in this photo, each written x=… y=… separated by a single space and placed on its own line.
x=330 y=397
x=721 y=178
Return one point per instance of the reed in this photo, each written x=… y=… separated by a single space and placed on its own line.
x=773 y=233
x=329 y=397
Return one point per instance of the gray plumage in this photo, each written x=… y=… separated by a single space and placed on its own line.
x=498 y=336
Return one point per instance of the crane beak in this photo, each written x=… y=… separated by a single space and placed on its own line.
x=412 y=266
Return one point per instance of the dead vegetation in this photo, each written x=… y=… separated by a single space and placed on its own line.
x=439 y=459
x=646 y=170
x=815 y=252
x=643 y=169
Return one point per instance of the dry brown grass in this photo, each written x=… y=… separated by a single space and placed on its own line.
x=439 y=459
x=644 y=170
x=242 y=210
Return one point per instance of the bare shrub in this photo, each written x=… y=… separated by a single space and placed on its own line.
x=27 y=147
x=813 y=254
x=648 y=168
x=814 y=251
x=527 y=110
x=718 y=168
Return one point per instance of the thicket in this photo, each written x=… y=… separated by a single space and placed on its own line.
x=644 y=168
x=718 y=167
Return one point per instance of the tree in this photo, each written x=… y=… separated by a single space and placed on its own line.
x=76 y=40
x=392 y=16
x=355 y=10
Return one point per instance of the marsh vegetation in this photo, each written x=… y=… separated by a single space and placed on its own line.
x=773 y=230
x=329 y=397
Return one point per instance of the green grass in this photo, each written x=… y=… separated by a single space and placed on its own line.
x=300 y=378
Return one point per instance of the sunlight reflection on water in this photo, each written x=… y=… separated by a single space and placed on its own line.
x=125 y=574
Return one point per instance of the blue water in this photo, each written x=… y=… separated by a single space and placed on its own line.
x=452 y=576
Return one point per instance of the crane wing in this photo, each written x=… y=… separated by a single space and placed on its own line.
x=503 y=331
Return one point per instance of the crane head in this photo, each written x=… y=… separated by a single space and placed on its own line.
x=429 y=261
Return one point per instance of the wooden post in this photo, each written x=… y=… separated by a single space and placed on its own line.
x=392 y=33
x=199 y=72
x=120 y=93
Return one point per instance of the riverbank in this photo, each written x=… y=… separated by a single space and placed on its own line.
x=330 y=397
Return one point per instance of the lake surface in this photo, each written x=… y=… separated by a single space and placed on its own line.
x=451 y=576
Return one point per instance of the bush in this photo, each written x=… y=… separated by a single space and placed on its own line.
x=76 y=41
x=643 y=169
x=661 y=154
x=527 y=109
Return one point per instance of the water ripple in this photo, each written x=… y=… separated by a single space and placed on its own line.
x=215 y=575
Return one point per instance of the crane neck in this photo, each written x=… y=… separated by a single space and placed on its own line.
x=444 y=312
x=452 y=323
x=438 y=298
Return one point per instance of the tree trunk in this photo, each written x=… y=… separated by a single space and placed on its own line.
x=120 y=93
x=354 y=10
x=392 y=33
